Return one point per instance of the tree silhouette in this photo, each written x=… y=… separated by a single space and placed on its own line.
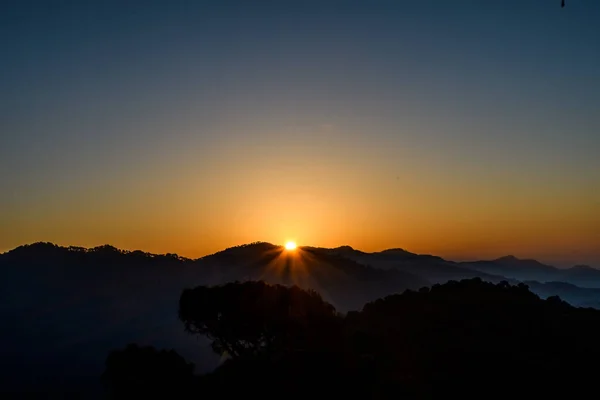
x=253 y=318
x=470 y=338
x=136 y=372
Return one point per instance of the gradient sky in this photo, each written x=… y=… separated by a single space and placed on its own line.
x=466 y=129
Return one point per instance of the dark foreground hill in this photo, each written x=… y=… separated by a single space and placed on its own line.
x=470 y=339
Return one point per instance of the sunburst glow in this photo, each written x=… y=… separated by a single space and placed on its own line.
x=290 y=246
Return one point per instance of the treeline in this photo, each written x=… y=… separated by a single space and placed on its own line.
x=41 y=249
x=467 y=338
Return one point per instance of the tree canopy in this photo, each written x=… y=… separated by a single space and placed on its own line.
x=253 y=318
x=135 y=372
x=469 y=338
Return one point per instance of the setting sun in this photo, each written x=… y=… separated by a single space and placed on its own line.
x=290 y=245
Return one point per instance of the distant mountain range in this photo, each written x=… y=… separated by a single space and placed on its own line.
x=580 y=275
x=64 y=308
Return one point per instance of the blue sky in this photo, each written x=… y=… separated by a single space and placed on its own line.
x=129 y=110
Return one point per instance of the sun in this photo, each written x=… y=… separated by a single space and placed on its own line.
x=290 y=246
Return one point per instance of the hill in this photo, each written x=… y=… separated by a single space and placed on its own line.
x=542 y=279
x=65 y=307
x=433 y=269
x=526 y=269
x=344 y=282
x=470 y=339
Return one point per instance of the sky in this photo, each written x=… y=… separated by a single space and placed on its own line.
x=465 y=129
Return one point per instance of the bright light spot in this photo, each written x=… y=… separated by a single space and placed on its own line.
x=290 y=246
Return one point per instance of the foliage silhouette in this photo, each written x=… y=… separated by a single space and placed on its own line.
x=461 y=336
x=469 y=338
x=251 y=318
x=143 y=371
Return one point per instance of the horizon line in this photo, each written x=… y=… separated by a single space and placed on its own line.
x=279 y=245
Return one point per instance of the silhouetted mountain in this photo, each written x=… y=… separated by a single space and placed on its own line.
x=65 y=307
x=437 y=270
x=62 y=308
x=575 y=295
x=580 y=275
x=344 y=282
x=523 y=270
x=582 y=268
x=431 y=268
x=509 y=268
x=515 y=268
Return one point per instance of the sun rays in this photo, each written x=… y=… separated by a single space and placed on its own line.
x=299 y=266
x=288 y=265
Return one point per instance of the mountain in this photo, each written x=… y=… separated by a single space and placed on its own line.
x=514 y=268
x=344 y=282
x=523 y=270
x=433 y=269
x=575 y=295
x=544 y=280
x=580 y=275
x=64 y=308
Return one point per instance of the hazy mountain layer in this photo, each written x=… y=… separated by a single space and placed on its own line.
x=65 y=308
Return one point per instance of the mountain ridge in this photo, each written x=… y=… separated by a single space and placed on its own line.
x=396 y=250
x=256 y=261
x=87 y=301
